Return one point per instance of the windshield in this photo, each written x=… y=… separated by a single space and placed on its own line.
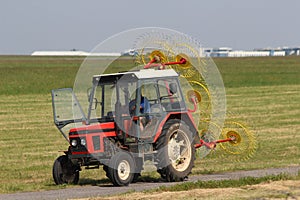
x=164 y=92
x=101 y=101
x=111 y=100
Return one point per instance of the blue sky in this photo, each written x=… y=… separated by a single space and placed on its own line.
x=27 y=26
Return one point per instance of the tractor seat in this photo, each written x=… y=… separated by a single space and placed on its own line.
x=157 y=108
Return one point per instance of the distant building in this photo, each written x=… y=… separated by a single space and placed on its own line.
x=228 y=52
x=218 y=52
x=212 y=52
x=291 y=51
x=129 y=52
x=71 y=53
x=60 y=53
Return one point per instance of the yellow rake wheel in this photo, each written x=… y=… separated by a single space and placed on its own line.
x=202 y=95
x=187 y=64
x=158 y=56
x=236 y=138
x=243 y=142
x=190 y=50
x=186 y=70
x=193 y=57
x=163 y=52
x=193 y=94
x=209 y=132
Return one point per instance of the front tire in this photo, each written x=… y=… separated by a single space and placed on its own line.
x=176 y=151
x=64 y=171
x=121 y=169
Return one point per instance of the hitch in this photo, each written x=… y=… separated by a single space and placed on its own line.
x=213 y=144
x=153 y=64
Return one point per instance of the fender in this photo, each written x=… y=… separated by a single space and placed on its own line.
x=184 y=116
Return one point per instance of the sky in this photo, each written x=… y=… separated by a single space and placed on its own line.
x=35 y=25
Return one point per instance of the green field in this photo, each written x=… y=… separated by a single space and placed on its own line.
x=263 y=92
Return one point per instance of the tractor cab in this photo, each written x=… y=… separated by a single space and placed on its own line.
x=135 y=101
x=131 y=107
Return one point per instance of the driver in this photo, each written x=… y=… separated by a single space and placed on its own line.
x=144 y=109
x=144 y=106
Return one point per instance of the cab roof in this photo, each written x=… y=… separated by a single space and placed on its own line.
x=138 y=75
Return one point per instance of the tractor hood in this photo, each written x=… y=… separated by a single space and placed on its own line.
x=107 y=127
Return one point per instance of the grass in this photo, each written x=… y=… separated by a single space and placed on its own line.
x=263 y=92
x=259 y=71
x=269 y=187
x=27 y=75
x=273 y=113
x=220 y=184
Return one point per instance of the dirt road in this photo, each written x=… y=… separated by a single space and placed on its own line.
x=103 y=190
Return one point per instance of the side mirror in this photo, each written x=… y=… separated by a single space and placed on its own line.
x=89 y=94
x=95 y=101
x=91 y=98
x=173 y=88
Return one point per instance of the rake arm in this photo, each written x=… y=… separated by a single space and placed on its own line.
x=213 y=144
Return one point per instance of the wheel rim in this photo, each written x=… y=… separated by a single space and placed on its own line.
x=179 y=150
x=67 y=172
x=123 y=170
x=67 y=177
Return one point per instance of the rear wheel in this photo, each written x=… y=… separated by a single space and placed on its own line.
x=121 y=169
x=64 y=171
x=176 y=151
x=106 y=169
x=136 y=177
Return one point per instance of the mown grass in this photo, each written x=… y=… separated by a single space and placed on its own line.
x=270 y=187
x=263 y=92
x=259 y=71
x=221 y=183
x=273 y=114
x=38 y=75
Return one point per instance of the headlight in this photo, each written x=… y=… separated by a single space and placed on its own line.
x=82 y=141
x=74 y=143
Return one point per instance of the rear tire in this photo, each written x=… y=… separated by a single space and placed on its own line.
x=176 y=151
x=136 y=177
x=64 y=171
x=106 y=169
x=121 y=169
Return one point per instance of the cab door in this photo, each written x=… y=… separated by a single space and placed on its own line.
x=66 y=110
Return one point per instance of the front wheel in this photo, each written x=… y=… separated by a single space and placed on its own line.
x=176 y=151
x=121 y=169
x=64 y=171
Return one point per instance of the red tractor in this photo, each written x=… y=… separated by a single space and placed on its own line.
x=134 y=118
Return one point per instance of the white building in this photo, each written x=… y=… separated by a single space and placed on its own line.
x=72 y=53
x=228 y=52
x=60 y=53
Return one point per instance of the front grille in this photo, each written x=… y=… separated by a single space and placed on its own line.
x=96 y=142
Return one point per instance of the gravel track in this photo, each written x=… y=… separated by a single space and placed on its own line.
x=103 y=190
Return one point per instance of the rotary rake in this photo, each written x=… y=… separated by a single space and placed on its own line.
x=233 y=137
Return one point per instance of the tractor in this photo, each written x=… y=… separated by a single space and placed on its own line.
x=134 y=118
